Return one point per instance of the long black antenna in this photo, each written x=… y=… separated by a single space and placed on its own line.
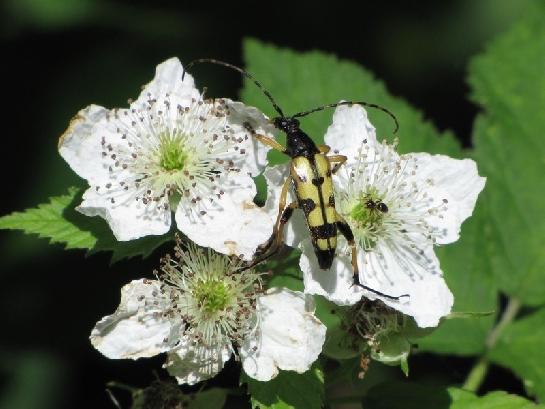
x=240 y=70
x=367 y=104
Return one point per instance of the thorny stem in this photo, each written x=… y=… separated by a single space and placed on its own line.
x=477 y=374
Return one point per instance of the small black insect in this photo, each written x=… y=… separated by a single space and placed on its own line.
x=380 y=206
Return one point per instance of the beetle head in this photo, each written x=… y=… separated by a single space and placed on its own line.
x=287 y=125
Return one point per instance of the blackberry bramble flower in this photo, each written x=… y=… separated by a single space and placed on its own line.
x=398 y=208
x=205 y=307
x=172 y=151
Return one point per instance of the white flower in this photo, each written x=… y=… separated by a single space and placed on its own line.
x=202 y=309
x=173 y=151
x=398 y=207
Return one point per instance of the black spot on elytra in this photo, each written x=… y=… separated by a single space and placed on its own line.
x=324 y=231
x=307 y=205
x=332 y=201
x=318 y=182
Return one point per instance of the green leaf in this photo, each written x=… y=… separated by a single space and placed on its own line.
x=406 y=395
x=508 y=82
x=468 y=275
x=48 y=221
x=285 y=270
x=301 y=81
x=288 y=390
x=520 y=347
x=61 y=223
x=502 y=400
x=213 y=398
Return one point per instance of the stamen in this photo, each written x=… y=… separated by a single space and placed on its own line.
x=216 y=300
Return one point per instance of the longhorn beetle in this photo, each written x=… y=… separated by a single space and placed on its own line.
x=310 y=175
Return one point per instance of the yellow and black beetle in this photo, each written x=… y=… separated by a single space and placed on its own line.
x=310 y=174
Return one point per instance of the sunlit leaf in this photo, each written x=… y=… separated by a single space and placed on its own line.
x=59 y=222
x=520 y=347
x=508 y=82
x=300 y=82
x=406 y=395
x=289 y=390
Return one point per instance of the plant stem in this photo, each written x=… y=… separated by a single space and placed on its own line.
x=477 y=374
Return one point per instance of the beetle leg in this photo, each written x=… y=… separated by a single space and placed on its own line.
x=270 y=142
x=338 y=160
x=346 y=231
x=324 y=148
x=265 y=139
x=274 y=243
x=281 y=209
x=286 y=215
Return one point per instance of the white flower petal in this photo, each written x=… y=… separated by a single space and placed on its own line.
x=233 y=224
x=296 y=229
x=137 y=329
x=168 y=80
x=288 y=336
x=191 y=364
x=80 y=144
x=456 y=180
x=241 y=116
x=335 y=284
x=428 y=299
x=349 y=129
x=129 y=219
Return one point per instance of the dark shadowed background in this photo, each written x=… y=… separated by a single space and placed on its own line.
x=60 y=55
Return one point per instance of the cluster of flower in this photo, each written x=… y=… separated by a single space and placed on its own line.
x=174 y=151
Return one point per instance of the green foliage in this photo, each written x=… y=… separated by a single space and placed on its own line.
x=213 y=398
x=469 y=277
x=61 y=223
x=284 y=270
x=520 y=347
x=508 y=82
x=288 y=390
x=303 y=81
x=33 y=379
x=163 y=395
x=406 y=395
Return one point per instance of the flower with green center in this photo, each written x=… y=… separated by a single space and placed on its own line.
x=173 y=152
x=367 y=213
x=398 y=208
x=205 y=307
x=212 y=296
